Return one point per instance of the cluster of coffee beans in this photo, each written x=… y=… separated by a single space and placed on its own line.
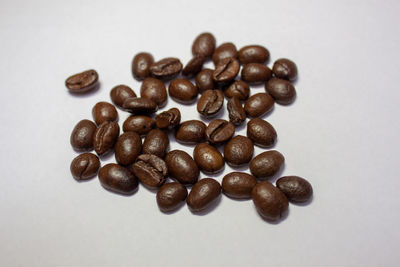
x=151 y=163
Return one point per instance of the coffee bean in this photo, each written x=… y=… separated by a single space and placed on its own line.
x=128 y=148
x=150 y=170
x=282 y=91
x=226 y=70
x=210 y=102
x=219 y=131
x=261 y=132
x=193 y=66
x=238 y=88
x=285 y=69
x=258 y=104
x=238 y=151
x=204 y=45
x=203 y=194
x=191 y=132
x=182 y=167
x=295 y=188
x=139 y=124
x=204 y=80
x=238 y=185
x=266 y=164
x=168 y=119
x=255 y=73
x=171 y=196
x=237 y=114
x=139 y=105
x=253 y=54
x=82 y=82
x=118 y=179
x=208 y=158
x=141 y=65
x=183 y=91
x=85 y=166
x=104 y=111
x=120 y=93
x=270 y=202
x=156 y=143
x=105 y=136
x=166 y=68
x=82 y=135
x=155 y=90
x=225 y=50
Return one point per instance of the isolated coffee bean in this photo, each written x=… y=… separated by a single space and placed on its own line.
x=238 y=151
x=168 y=119
x=238 y=185
x=139 y=105
x=128 y=148
x=166 y=68
x=238 y=88
x=171 y=196
x=285 y=69
x=118 y=179
x=261 y=132
x=203 y=194
x=183 y=91
x=156 y=143
x=205 y=81
x=270 y=202
x=155 y=90
x=85 y=166
x=208 y=158
x=194 y=66
x=258 y=104
x=150 y=170
x=237 y=114
x=182 y=167
x=82 y=82
x=255 y=73
x=139 y=124
x=105 y=137
x=120 y=93
x=82 y=135
x=141 y=65
x=266 y=164
x=226 y=70
x=219 y=131
x=104 y=111
x=191 y=132
x=253 y=54
x=295 y=188
x=281 y=90
x=225 y=50
x=204 y=45
x=210 y=103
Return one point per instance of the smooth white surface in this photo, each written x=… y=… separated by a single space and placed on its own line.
x=341 y=133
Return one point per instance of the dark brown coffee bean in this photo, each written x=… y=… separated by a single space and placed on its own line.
x=205 y=81
x=183 y=91
x=238 y=151
x=104 y=111
x=208 y=158
x=156 y=143
x=139 y=124
x=139 y=105
x=150 y=170
x=266 y=164
x=261 y=132
x=128 y=148
x=82 y=82
x=171 y=196
x=105 y=136
x=225 y=50
x=238 y=185
x=141 y=65
x=256 y=73
x=238 y=88
x=258 y=104
x=282 y=91
x=85 y=166
x=203 y=194
x=295 y=188
x=168 y=119
x=166 y=68
x=120 y=93
x=285 y=69
x=182 y=167
x=219 y=131
x=191 y=132
x=226 y=70
x=155 y=90
x=82 y=135
x=270 y=202
x=210 y=102
x=237 y=114
x=118 y=179
x=204 y=45
x=253 y=54
x=193 y=66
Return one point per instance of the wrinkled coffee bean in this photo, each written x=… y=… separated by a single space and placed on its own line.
x=261 y=132
x=104 y=111
x=253 y=54
x=85 y=166
x=171 y=196
x=155 y=90
x=281 y=90
x=237 y=114
x=183 y=91
x=168 y=119
x=205 y=81
x=255 y=73
x=139 y=124
x=203 y=194
x=191 y=132
x=194 y=66
x=150 y=170
x=182 y=167
x=270 y=202
x=208 y=158
x=295 y=188
x=266 y=164
x=238 y=185
x=118 y=179
x=105 y=136
x=82 y=82
x=238 y=151
x=225 y=50
x=166 y=68
x=258 y=105
x=128 y=148
x=141 y=65
x=238 y=88
x=219 y=131
x=226 y=70
x=82 y=135
x=210 y=102
x=156 y=143
x=120 y=93
x=139 y=105
x=204 y=45
x=285 y=69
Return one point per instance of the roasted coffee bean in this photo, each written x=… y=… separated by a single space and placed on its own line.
x=120 y=93
x=238 y=88
x=256 y=73
x=208 y=158
x=155 y=90
x=270 y=202
x=219 y=131
x=191 y=132
x=171 y=196
x=237 y=114
x=225 y=50
x=82 y=135
x=183 y=91
x=210 y=102
x=82 y=82
x=261 y=132
x=166 y=68
x=238 y=151
x=282 y=91
x=226 y=70
x=205 y=81
x=238 y=185
x=258 y=104
x=105 y=136
x=193 y=66
x=118 y=179
x=295 y=188
x=139 y=105
x=141 y=65
x=253 y=54
x=204 y=45
x=266 y=164
x=156 y=143
x=128 y=148
x=150 y=170
x=139 y=124
x=85 y=166
x=104 y=111
x=182 y=167
x=168 y=119
x=203 y=194
x=285 y=69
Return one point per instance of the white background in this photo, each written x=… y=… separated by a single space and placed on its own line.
x=341 y=134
